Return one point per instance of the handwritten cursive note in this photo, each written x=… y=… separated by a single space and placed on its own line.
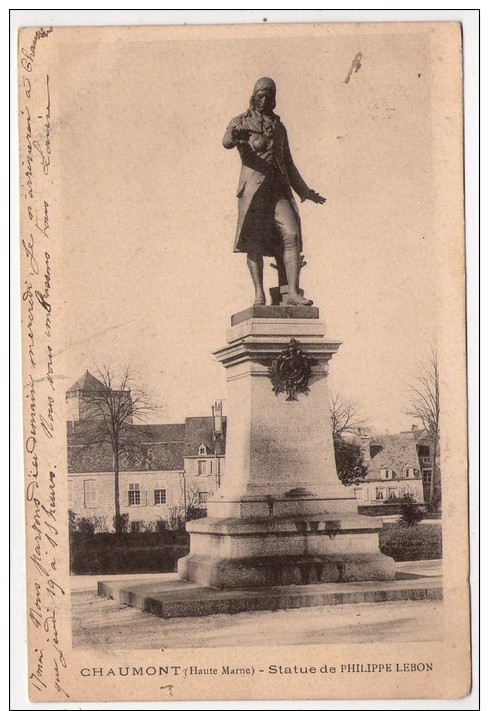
x=45 y=150
x=43 y=468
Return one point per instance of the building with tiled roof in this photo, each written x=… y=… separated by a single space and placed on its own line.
x=164 y=468
x=424 y=447
x=168 y=468
x=397 y=464
x=151 y=447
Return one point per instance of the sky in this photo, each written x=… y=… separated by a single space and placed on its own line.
x=149 y=211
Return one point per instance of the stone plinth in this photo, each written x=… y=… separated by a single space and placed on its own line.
x=256 y=311
x=266 y=552
x=281 y=516
x=170 y=598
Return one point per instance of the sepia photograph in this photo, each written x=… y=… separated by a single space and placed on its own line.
x=244 y=364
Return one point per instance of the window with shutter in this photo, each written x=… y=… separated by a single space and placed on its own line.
x=202 y=497
x=160 y=496
x=202 y=468
x=90 y=493
x=134 y=495
x=134 y=498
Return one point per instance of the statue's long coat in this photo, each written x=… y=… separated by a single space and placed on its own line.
x=255 y=206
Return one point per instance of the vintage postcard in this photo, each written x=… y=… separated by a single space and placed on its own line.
x=243 y=334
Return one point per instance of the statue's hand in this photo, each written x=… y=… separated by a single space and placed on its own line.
x=240 y=135
x=315 y=197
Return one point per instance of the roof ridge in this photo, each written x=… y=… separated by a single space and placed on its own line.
x=86 y=382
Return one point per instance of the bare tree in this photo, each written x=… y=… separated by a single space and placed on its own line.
x=425 y=407
x=345 y=415
x=194 y=507
x=111 y=410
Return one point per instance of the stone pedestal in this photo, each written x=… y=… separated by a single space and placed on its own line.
x=281 y=516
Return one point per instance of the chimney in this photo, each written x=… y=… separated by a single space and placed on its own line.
x=217 y=419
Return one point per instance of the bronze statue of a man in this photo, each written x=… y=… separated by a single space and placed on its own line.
x=268 y=216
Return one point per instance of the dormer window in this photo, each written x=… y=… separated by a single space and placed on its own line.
x=202 y=450
x=375 y=449
x=386 y=473
x=409 y=472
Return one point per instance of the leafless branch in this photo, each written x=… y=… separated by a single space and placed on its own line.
x=345 y=415
x=110 y=411
x=425 y=406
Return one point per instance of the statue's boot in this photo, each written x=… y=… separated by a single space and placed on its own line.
x=255 y=265
x=292 y=263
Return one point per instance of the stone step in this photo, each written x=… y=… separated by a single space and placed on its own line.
x=177 y=598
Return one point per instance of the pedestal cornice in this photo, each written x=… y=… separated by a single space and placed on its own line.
x=263 y=339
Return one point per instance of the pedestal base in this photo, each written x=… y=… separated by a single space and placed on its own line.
x=281 y=516
x=167 y=597
x=266 y=552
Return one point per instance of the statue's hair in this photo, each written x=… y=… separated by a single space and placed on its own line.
x=263 y=83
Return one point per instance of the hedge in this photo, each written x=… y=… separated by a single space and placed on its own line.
x=108 y=553
x=105 y=553
x=420 y=542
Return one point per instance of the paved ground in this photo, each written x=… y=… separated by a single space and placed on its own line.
x=105 y=624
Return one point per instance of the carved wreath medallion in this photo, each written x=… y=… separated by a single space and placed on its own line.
x=291 y=371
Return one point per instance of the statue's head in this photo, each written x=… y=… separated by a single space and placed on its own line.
x=263 y=97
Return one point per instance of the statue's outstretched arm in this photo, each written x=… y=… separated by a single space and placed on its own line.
x=296 y=180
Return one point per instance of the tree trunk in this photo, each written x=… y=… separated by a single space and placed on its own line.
x=434 y=445
x=117 y=500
